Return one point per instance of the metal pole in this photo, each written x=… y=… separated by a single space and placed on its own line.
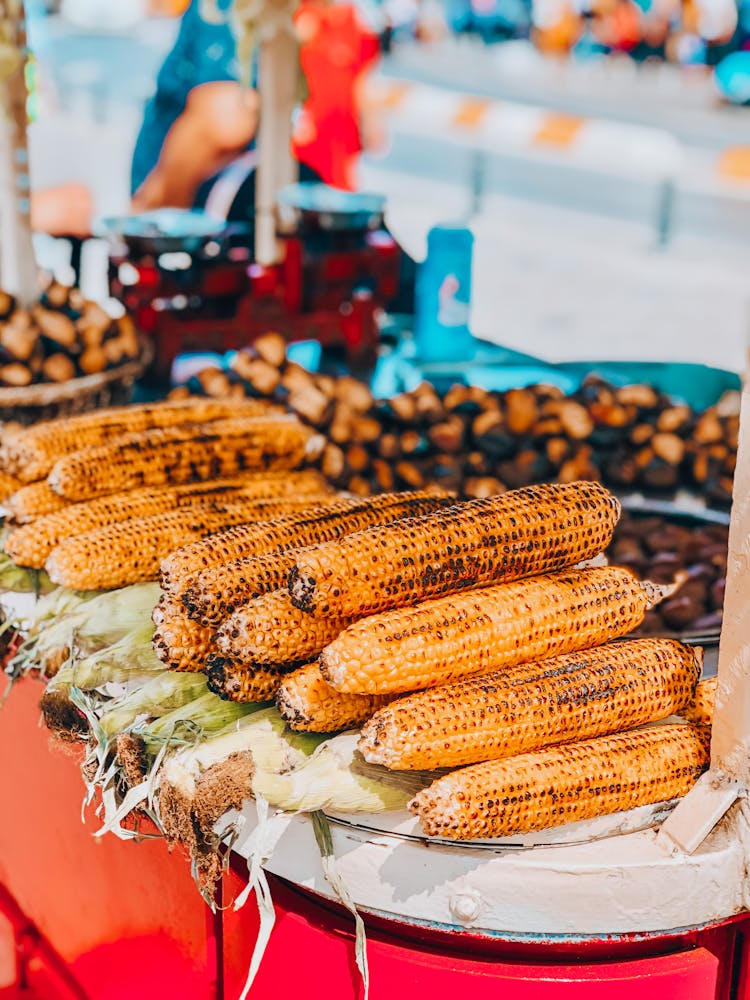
x=665 y=212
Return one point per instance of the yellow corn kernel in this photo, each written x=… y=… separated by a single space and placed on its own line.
x=31 y=452
x=341 y=515
x=131 y=551
x=576 y=781
x=310 y=705
x=478 y=631
x=571 y=697
x=701 y=708
x=184 y=454
x=235 y=681
x=30 y=545
x=270 y=630
x=520 y=533
x=8 y=485
x=179 y=643
x=33 y=501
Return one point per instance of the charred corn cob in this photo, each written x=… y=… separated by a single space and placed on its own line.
x=182 y=567
x=32 y=501
x=341 y=516
x=30 y=453
x=570 y=697
x=701 y=708
x=188 y=453
x=576 y=781
x=310 y=705
x=235 y=681
x=271 y=630
x=131 y=551
x=254 y=577
x=32 y=544
x=520 y=533
x=179 y=643
x=8 y=485
x=453 y=637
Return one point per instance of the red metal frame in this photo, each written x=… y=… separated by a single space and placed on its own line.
x=330 y=292
x=89 y=919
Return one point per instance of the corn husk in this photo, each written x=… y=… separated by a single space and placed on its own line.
x=337 y=779
x=131 y=656
x=194 y=722
x=199 y=785
x=85 y=624
x=166 y=692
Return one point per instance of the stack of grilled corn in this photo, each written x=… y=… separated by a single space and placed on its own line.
x=462 y=635
x=99 y=499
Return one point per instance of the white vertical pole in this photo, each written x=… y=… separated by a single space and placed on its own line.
x=278 y=76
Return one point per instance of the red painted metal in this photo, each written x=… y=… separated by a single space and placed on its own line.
x=103 y=920
x=223 y=302
x=117 y=915
x=321 y=942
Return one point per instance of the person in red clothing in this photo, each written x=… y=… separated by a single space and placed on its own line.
x=337 y=52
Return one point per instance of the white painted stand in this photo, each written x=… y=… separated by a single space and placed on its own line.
x=616 y=885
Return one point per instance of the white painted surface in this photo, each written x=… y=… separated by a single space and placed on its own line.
x=616 y=885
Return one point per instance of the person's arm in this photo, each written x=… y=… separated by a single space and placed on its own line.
x=218 y=123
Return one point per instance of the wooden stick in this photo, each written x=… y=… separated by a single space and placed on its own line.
x=278 y=68
x=18 y=262
x=716 y=791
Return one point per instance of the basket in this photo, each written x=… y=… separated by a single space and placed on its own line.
x=45 y=401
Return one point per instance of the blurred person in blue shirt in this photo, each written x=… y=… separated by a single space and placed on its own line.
x=200 y=118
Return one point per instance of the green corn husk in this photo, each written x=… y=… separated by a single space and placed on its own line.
x=336 y=778
x=87 y=624
x=202 y=783
x=57 y=604
x=129 y=657
x=164 y=693
x=196 y=721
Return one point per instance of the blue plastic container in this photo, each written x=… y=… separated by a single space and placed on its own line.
x=443 y=296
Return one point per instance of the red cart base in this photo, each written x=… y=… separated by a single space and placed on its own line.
x=89 y=919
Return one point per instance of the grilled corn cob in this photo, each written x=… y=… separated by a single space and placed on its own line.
x=701 y=708
x=188 y=453
x=182 y=567
x=32 y=544
x=32 y=501
x=235 y=681
x=131 y=551
x=520 y=533
x=453 y=637
x=310 y=705
x=8 y=485
x=179 y=643
x=253 y=578
x=30 y=453
x=533 y=705
x=341 y=516
x=576 y=781
x=271 y=630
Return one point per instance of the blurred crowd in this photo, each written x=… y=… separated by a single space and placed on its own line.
x=686 y=32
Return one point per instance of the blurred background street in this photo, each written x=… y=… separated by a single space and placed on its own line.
x=610 y=201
